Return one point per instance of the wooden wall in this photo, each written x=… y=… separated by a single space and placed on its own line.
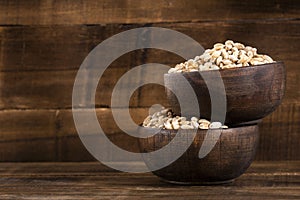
x=43 y=43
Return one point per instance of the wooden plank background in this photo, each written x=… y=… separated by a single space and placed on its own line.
x=43 y=43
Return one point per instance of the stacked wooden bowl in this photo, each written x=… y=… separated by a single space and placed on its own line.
x=252 y=93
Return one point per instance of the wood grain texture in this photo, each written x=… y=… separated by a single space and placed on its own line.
x=39 y=150
x=280 y=44
x=228 y=159
x=43 y=43
x=87 y=181
x=53 y=89
x=22 y=129
x=70 y=146
x=250 y=93
x=50 y=135
x=18 y=125
x=36 y=89
x=105 y=117
x=65 y=46
x=14 y=94
x=19 y=12
x=279 y=134
x=52 y=47
x=27 y=135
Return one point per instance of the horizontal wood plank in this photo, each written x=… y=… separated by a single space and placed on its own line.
x=39 y=149
x=87 y=181
x=19 y=12
x=28 y=135
x=53 y=89
x=24 y=48
x=36 y=89
x=65 y=47
x=279 y=39
x=54 y=41
x=20 y=125
x=72 y=149
x=279 y=134
x=23 y=169
x=105 y=117
x=50 y=135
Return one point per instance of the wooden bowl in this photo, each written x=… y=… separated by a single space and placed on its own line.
x=230 y=157
x=251 y=92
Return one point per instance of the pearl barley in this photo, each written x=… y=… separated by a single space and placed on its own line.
x=223 y=56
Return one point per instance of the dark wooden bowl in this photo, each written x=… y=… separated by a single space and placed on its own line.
x=251 y=92
x=230 y=157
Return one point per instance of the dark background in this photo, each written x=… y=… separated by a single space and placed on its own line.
x=43 y=43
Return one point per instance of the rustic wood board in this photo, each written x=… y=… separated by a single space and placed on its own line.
x=51 y=54
x=86 y=181
x=43 y=43
x=133 y=11
x=17 y=125
x=53 y=89
x=22 y=129
x=279 y=138
x=58 y=47
x=53 y=135
x=279 y=133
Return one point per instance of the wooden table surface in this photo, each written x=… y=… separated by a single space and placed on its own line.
x=91 y=180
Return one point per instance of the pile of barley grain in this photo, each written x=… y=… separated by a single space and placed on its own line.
x=166 y=120
x=223 y=56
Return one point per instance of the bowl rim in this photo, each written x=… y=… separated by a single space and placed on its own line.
x=281 y=63
x=161 y=131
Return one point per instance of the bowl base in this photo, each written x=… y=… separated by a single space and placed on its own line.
x=198 y=183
